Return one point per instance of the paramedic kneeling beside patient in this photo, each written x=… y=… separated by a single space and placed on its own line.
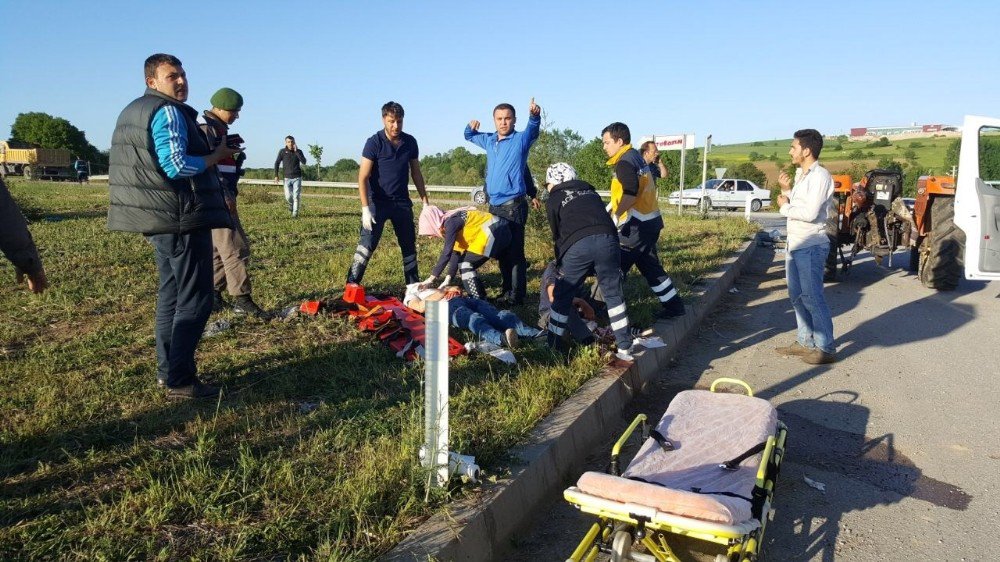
x=471 y=238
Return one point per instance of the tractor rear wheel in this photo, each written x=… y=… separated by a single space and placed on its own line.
x=941 y=254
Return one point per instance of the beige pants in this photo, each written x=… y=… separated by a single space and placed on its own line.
x=230 y=258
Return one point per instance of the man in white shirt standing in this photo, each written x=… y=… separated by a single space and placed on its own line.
x=805 y=204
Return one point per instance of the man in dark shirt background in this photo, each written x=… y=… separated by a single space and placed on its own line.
x=651 y=155
x=388 y=160
x=290 y=159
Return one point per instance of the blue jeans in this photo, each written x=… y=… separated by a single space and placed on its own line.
x=401 y=216
x=485 y=321
x=804 y=272
x=184 y=302
x=293 y=194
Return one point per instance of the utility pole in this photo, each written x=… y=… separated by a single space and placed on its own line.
x=704 y=173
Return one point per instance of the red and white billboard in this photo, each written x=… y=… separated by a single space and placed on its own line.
x=670 y=142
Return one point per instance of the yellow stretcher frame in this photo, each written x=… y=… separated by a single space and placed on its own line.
x=621 y=525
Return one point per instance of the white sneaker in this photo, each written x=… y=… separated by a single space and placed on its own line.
x=624 y=354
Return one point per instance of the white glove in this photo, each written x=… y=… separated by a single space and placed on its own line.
x=366 y=218
x=447 y=280
x=428 y=282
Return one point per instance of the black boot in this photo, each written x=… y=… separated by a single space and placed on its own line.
x=244 y=305
x=218 y=303
x=673 y=308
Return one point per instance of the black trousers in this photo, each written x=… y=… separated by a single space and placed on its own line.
x=401 y=217
x=513 y=265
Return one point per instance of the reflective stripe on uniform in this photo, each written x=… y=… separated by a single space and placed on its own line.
x=619 y=324
x=662 y=286
x=668 y=296
x=643 y=216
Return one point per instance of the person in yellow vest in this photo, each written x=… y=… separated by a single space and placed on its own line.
x=471 y=237
x=636 y=213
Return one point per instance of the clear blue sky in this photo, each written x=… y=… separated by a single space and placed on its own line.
x=321 y=70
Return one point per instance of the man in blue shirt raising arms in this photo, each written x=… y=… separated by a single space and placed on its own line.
x=164 y=185
x=388 y=160
x=507 y=182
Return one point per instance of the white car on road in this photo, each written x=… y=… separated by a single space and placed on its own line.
x=724 y=193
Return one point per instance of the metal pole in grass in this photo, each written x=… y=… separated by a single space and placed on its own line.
x=680 y=192
x=704 y=174
x=436 y=390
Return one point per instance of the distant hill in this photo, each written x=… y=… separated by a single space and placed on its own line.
x=840 y=155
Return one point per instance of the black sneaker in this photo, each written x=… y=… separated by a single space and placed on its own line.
x=218 y=303
x=507 y=301
x=193 y=391
x=244 y=305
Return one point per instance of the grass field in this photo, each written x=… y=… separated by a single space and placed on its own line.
x=311 y=452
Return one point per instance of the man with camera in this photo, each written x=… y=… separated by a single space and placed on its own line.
x=231 y=246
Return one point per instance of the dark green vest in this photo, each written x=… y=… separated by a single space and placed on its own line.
x=143 y=198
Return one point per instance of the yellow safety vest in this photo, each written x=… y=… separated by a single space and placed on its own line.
x=477 y=234
x=646 y=207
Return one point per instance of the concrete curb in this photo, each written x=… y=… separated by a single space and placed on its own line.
x=477 y=529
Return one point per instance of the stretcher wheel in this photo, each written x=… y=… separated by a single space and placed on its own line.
x=621 y=546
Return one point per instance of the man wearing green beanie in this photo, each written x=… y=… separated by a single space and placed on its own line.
x=231 y=247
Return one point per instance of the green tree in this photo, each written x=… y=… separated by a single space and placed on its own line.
x=345 y=169
x=47 y=131
x=591 y=165
x=951 y=154
x=748 y=171
x=882 y=141
x=316 y=151
x=887 y=163
x=553 y=146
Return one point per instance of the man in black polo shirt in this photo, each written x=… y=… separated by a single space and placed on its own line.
x=651 y=155
x=388 y=160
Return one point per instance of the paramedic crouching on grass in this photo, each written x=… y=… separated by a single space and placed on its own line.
x=806 y=205
x=585 y=240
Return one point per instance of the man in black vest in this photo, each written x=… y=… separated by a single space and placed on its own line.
x=163 y=184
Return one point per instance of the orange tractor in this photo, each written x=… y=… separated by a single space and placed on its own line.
x=873 y=216
x=869 y=216
x=937 y=245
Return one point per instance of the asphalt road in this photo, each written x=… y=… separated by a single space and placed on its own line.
x=902 y=431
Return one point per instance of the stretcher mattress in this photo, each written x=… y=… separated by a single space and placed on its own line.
x=706 y=429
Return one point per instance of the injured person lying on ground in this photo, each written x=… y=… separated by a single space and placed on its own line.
x=498 y=327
